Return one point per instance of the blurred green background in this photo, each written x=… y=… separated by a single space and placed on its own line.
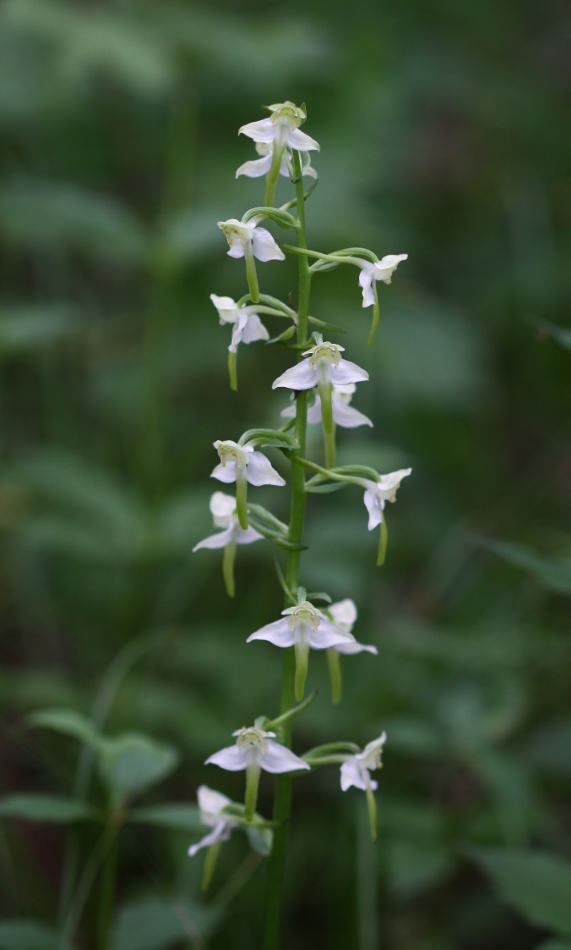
x=444 y=133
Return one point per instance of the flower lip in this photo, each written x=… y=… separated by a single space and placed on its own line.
x=294 y=115
x=231 y=451
x=304 y=613
x=329 y=352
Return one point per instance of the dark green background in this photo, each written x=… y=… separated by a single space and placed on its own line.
x=444 y=131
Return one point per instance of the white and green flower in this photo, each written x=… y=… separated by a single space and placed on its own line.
x=380 y=270
x=378 y=493
x=248 y=240
x=242 y=463
x=344 y=615
x=303 y=627
x=223 y=508
x=212 y=805
x=281 y=129
x=323 y=367
x=356 y=769
x=247 y=326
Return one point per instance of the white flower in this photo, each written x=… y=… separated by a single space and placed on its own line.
x=281 y=129
x=223 y=508
x=242 y=462
x=255 y=749
x=302 y=625
x=211 y=805
x=247 y=325
x=246 y=238
x=261 y=166
x=344 y=614
x=357 y=768
x=344 y=415
x=323 y=367
x=380 y=270
x=378 y=493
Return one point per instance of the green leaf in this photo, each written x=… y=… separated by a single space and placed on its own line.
x=153 y=924
x=555 y=945
x=29 y=935
x=51 y=808
x=552 y=573
x=132 y=762
x=177 y=816
x=24 y=329
x=535 y=883
x=68 y=722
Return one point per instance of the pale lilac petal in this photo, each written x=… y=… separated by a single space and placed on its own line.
x=216 y=540
x=366 y=282
x=351 y=775
x=393 y=479
x=347 y=372
x=256 y=168
x=264 y=246
x=301 y=142
x=327 y=635
x=231 y=758
x=247 y=536
x=373 y=505
x=383 y=270
x=314 y=412
x=279 y=759
x=279 y=633
x=211 y=804
x=225 y=473
x=263 y=130
x=344 y=612
x=289 y=413
x=300 y=376
x=261 y=472
x=254 y=329
x=349 y=648
x=236 y=250
x=221 y=832
x=346 y=416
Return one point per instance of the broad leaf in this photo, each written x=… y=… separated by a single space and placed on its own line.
x=535 y=883
x=552 y=573
x=68 y=722
x=51 y=808
x=29 y=935
x=132 y=762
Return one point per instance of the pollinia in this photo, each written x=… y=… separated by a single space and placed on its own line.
x=321 y=372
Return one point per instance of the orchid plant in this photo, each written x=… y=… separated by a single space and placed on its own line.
x=321 y=369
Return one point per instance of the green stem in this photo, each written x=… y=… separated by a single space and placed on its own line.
x=251 y=273
x=242 y=498
x=282 y=804
x=232 y=370
x=384 y=540
x=335 y=675
x=228 y=568
x=210 y=865
x=251 y=797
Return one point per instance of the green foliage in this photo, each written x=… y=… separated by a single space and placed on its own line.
x=536 y=884
x=154 y=924
x=28 y=935
x=50 y=808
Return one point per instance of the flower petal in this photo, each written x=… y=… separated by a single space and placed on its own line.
x=373 y=504
x=254 y=329
x=328 y=635
x=351 y=775
x=219 y=540
x=263 y=130
x=347 y=372
x=346 y=416
x=222 y=505
x=300 y=376
x=236 y=250
x=227 y=309
x=259 y=471
x=225 y=473
x=301 y=142
x=211 y=804
x=221 y=832
x=349 y=648
x=256 y=168
x=279 y=759
x=279 y=633
x=264 y=246
x=231 y=758
x=248 y=536
x=238 y=331
x=366 y=282
x=344 y=611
